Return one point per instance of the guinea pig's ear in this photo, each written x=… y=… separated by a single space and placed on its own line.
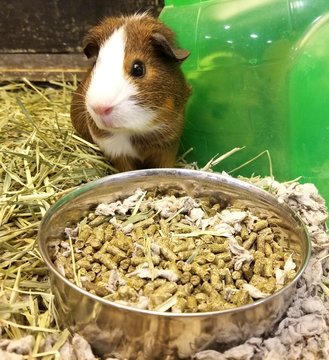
x=90 y=46
x=164 y=45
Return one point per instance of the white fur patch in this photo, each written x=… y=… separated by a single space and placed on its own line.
x=116 y=145
x=111 y=87
x=108 y=85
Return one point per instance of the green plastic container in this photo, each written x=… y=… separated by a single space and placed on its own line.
x=259 y=70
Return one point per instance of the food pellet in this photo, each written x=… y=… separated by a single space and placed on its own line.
x=171 y=252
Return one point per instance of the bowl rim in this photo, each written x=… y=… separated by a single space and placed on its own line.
x=226 y=179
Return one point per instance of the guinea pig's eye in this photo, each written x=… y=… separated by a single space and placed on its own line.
x=137 y=69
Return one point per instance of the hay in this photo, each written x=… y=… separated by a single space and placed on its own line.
x=41 y=159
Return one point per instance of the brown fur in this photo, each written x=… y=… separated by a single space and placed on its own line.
x=163 y=89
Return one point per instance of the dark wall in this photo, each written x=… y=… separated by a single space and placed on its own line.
x=58 y=26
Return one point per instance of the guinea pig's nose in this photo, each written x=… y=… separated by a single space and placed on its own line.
x=102 y=110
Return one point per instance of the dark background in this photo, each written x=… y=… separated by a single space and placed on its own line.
x=40 y=39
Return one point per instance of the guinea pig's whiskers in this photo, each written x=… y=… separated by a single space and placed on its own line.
x=169 y=111
x=137 y=99
x=80 y=103
x=82 y=116
x=78 y=95
x=164 y=130
x=163 y=92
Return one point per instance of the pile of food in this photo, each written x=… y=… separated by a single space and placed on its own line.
x=170 y=252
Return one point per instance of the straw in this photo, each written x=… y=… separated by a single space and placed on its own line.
x=41 y=159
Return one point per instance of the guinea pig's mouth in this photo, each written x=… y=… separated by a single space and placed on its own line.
x=109 y=123
x=127 y=116
x=105 y=121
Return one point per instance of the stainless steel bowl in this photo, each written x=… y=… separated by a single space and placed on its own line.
x=114 y=329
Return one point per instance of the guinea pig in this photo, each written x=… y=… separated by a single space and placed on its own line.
x=132 y=100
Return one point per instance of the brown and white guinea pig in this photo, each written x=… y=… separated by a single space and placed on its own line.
x=132 y=101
